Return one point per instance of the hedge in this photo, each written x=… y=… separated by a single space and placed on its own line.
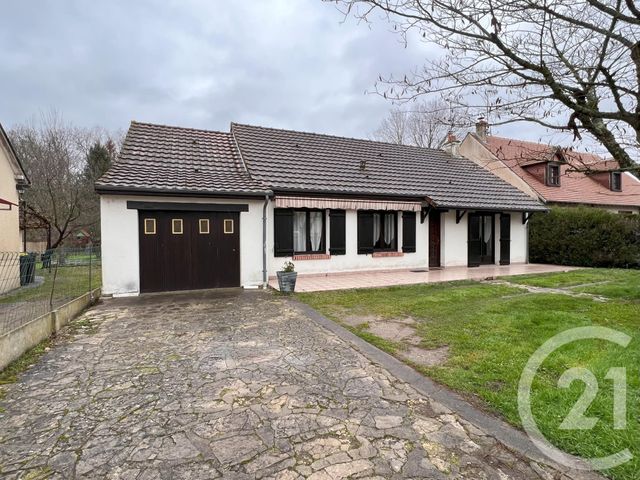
x=587 y=237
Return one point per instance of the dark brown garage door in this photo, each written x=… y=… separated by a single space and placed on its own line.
x=189 y=250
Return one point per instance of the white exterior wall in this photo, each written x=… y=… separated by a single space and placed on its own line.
x=454 y=239
x=519 y=239
x=351 y=261
x=120 y=248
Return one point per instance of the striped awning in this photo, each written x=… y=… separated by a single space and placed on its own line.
x=343 y=204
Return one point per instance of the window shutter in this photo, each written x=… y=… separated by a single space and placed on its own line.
x=337 y=233
x=475 y=240
x=505 y=239
x=365 y=232
x=409 y=232
x=283 y=232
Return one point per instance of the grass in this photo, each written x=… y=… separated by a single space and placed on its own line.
x=70 y=282
x=491 y=331
x=15 y=368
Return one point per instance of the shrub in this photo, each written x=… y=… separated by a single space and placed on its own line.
x=587 y=237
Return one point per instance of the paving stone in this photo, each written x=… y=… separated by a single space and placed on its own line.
x=236 y=386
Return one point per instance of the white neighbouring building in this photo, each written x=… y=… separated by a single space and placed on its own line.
x=189 y=209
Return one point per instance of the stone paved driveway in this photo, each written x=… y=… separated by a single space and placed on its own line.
x=233 y=385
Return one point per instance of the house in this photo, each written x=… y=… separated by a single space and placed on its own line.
x=186 y=209
x=13 y=180
x=556 y=176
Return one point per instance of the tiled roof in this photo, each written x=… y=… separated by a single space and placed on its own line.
x=159 y=158
x=576 y=185
x=290 y=161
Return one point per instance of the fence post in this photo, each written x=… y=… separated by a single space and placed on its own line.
x=53 y=283
x=90 y=290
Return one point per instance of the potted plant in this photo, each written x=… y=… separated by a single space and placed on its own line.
x=287 y=277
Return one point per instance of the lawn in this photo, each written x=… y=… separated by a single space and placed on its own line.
x=26 y=303
x=491 y=330
x=70 y=282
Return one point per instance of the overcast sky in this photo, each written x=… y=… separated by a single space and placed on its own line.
x=199 y=63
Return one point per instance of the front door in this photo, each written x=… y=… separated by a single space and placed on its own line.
x=434 y=239
x=182 y=250
x=481 y=239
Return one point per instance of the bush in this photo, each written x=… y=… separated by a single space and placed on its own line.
x=587 y=237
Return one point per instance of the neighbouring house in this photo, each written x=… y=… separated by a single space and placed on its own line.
x=13 y=180
x=187 y=209
x=555 y=175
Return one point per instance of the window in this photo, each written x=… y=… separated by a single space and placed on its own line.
x=228 y=225
x=376 y=231
x=308 y=231
x=298 y=231
x=203 y=225
x=149 y=226
x=409 y=232
x=616 y=181
x=553 y=175
x=176 y=226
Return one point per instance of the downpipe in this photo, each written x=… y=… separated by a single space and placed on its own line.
x=265 y=282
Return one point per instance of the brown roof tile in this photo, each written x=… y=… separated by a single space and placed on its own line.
x=178 y=160
x=288 y=160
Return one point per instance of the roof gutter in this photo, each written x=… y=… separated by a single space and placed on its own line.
x=496 y=209
x=105 y=189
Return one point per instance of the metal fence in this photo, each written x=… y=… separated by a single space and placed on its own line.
x=34 y=284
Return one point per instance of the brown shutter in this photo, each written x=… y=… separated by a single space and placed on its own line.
x=475 y=240
x=505 y=239
x=283 y=232
x=337 y=232
x=409 y=232
x=365 y=232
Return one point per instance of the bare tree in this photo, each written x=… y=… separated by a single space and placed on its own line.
x=61 y=198
x=565 y=64
x=394 y=128
x=424 y=124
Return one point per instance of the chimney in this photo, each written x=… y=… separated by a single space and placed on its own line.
x=482 y=129
x=451 y=144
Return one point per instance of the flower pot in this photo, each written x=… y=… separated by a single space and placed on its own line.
x=287 y=281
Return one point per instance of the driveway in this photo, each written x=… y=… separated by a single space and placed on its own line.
x=233 y=385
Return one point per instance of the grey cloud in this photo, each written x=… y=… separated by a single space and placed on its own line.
x=196 y=63
x=203 y=63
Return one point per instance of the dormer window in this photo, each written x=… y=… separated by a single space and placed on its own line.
x=615 y=181
x=553 y=175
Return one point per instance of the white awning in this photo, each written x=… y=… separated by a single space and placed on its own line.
x=342 y=204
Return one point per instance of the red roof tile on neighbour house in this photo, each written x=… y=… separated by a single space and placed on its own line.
x=578 y=176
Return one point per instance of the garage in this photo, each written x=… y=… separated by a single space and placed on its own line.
x=188 y=250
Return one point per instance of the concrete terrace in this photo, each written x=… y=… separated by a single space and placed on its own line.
x=387 y=278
